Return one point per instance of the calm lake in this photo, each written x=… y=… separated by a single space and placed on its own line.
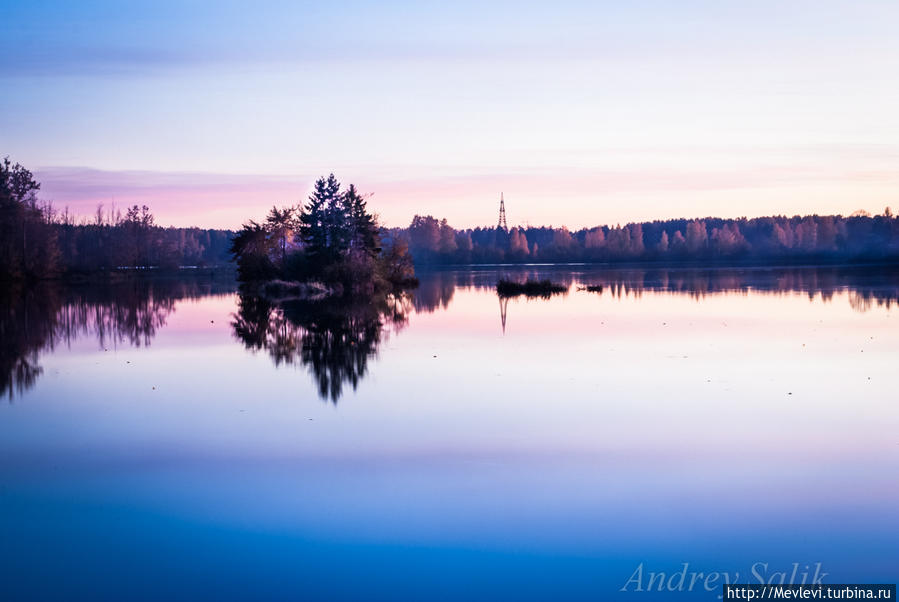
x=174 y=440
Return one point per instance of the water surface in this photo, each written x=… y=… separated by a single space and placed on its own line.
x=179 y=440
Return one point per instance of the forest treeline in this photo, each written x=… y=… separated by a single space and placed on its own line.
x=37 y=241
x=131 y=239
x=824 y=238
x=339 y=240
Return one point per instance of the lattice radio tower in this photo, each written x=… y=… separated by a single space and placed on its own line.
x=502 y=214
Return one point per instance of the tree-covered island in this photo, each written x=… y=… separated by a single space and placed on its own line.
x=331 y=245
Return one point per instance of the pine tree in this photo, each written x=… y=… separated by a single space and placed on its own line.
x=317 y=219
x=364 y=231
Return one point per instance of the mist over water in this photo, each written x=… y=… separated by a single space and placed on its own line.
x=183 y=440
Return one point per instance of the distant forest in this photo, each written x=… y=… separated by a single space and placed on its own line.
x=38 y=241
x=812 y=238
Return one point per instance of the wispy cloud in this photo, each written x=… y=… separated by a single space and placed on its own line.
x=580 y=111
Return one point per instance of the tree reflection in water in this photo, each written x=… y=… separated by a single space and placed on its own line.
x=333 y=338
x=24 y=332
x=37 y=318
x=336 y=339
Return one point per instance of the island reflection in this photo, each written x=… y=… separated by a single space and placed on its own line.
x=333 y=338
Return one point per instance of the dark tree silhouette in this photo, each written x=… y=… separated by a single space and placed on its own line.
x=364 y=236
x=280 y=225
x=252 y=248
x=28 y=246
x=318 y=221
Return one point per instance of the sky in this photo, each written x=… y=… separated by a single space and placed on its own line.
x=580 y=113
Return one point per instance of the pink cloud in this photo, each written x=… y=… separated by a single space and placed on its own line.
x=210 y=200
x=574 y=196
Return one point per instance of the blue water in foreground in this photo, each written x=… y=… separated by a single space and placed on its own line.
x=175 y=441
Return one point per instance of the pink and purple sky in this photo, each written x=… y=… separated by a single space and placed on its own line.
x=581 y=113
